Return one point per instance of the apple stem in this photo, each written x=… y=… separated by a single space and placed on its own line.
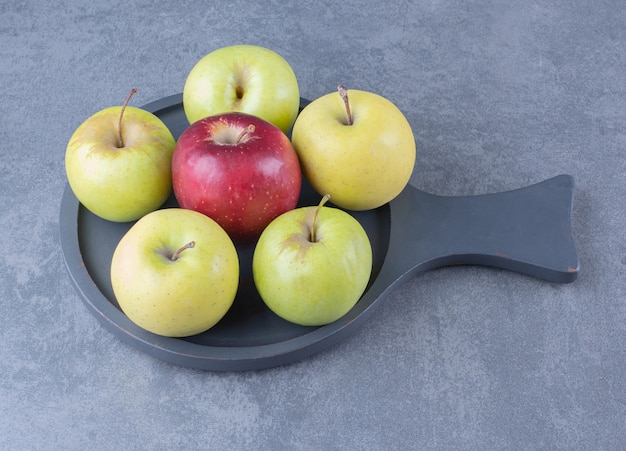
x=244 y=134
x=179 y=251
x=120 y=140
x=313 y=234
x=343 y=92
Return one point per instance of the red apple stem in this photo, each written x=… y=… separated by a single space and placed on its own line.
x=313 y=234
x=244 y=134
x=120 y=140
x=343 y=92
x=179 y=251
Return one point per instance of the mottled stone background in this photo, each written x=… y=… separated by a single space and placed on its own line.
x=500 y=94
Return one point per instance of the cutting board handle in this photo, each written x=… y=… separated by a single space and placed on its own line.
x=528 y=230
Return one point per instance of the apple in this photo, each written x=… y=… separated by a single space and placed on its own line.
x=239 y=170
x=175 y=272
x=118 y=162
x=358 y=148
x=243 y=78
x=312 y=264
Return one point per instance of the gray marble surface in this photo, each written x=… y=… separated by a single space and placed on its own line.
x=500 y=95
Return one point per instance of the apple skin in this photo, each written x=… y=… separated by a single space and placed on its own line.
x=312 y=283
x=175 y=298
x=243 y=78
x=363 y=165
x=242 y=184
x=120 y=184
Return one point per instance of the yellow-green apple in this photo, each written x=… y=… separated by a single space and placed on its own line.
x=312 y=264
x=118 y=162
x=243 y=78
x=239 y=170
x=175 y=272
x=360 y=149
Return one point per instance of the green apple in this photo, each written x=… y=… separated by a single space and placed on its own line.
x=118 y=162
x=360 y=150
x=175 y=272
x=312 y=264
x=245 y=79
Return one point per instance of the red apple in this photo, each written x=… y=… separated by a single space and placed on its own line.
x=237 y=169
